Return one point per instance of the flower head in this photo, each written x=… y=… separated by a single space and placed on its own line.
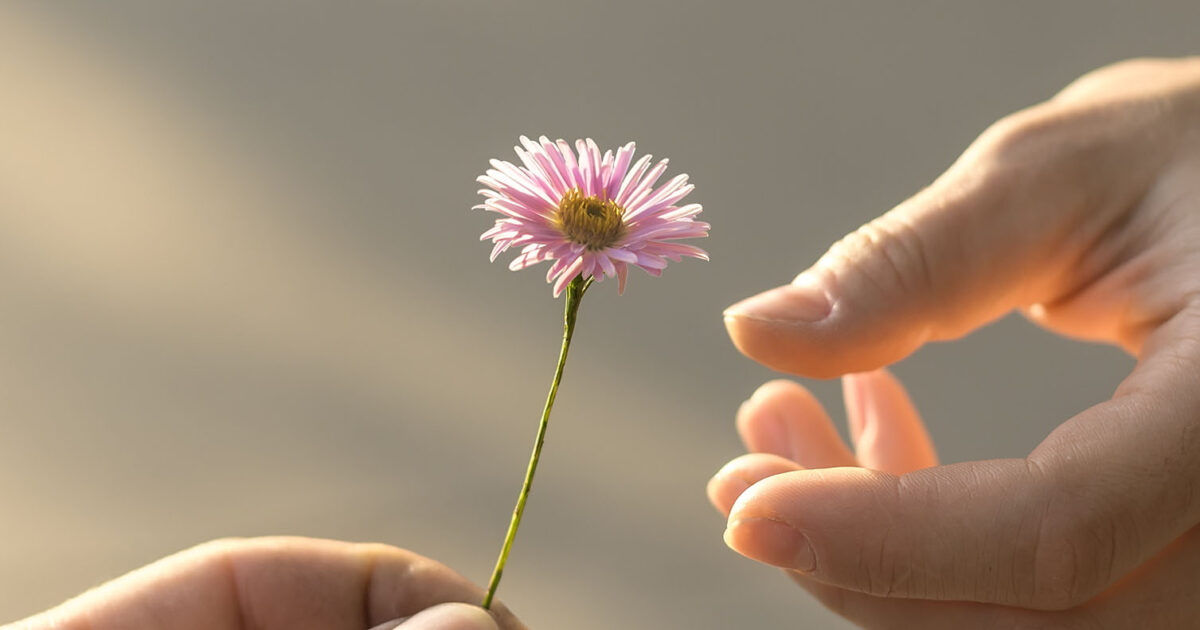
x=593 y=215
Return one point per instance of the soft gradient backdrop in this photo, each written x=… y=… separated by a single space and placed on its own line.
x=241 y=291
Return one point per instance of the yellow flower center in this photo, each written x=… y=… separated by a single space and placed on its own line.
x=590 y=221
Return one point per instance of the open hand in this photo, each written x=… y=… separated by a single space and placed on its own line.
x=1082 y=212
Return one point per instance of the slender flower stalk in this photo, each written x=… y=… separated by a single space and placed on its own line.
x=574 y=296
x=591 y=216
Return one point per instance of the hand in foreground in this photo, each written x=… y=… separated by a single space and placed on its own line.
x=281 y=583
x=1083 y=212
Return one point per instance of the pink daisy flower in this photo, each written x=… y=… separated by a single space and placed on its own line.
x=592 y=215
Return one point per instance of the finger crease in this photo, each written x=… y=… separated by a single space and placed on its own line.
x=235 y=590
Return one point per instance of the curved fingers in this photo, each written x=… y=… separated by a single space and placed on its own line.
x=738 y=475
x=887 y=431
x=785 y=419
x=1104 y=493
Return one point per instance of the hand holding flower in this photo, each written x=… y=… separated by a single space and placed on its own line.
x=278 y=584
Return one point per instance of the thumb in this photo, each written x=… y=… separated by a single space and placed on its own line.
x=452 y=616
x=1004 y=227
x=934 y=268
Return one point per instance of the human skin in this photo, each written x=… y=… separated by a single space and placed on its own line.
x=280 y=583
x=1083 y=213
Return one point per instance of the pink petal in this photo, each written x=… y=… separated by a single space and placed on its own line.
x=540 y=168
x=512 y=175
x=617 y=175
x=623 y=255
x=497 y=250
x=675 y=250
x=528 y=199
x=554 y=154
x=651 y=261
x=682 y=212
x=626 y=200
x=556 y=267
x=522 y=261
x=606 y=166
x=632 y=178
x=596 y=160
x=506 y=233
x=585 y=168
x=567 y=276
x=568 y=156
x=531 y=257
x=517 y=210
x=500 y=226
x=665 y=196
x=606 y=264
x=525 y=180
x=589 y=265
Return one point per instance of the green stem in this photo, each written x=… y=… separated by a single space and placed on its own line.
x=574 y=297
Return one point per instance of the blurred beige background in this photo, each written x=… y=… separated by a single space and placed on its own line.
x=241 y=291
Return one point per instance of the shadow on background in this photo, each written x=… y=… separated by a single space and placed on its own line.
x=241 y=291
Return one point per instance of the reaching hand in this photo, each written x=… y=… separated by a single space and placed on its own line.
x=281 y=583
x=1084 y=213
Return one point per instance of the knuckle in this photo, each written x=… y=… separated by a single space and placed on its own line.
x=892 y=258
x=1050 y=140
x=1128 y=72
x=889 y=253
x=1021 y=141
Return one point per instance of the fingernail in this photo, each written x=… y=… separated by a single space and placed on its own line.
x=447 y=617
x=771 y=541
x=802 y=301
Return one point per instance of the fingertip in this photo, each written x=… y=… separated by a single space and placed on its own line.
x=760 y=423
x=780 y=346
x=803 y=301
x=838 y=345
x=740 y=474
x=723 y=490
x=807 y=496
x=778 y=520
x=772 y=326
x=771 y=541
